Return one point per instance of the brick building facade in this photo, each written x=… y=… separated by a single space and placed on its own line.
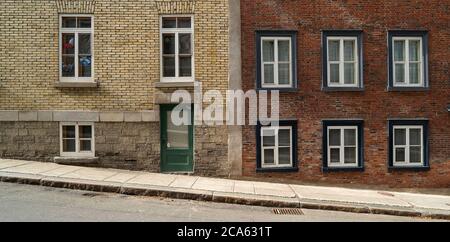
x=364 y=88
x=84 y=81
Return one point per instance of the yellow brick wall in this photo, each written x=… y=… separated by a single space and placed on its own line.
x=126 y=52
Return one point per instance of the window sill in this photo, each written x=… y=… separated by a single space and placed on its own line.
x=284 y=169
x=76 y=84
x=75 y=160
x=408 y=89
x=409 y=168
x=281 y=89
x=342 y=169
x=343 y=89
x=175 y=84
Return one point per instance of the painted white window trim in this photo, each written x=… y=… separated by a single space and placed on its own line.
x=407 y=146
x=77 y=153
x=76 y=31
x=177 y=31
x=276 y=62
x=341 y=62
x=276 y=147
x=406 y=62
x=342 y=147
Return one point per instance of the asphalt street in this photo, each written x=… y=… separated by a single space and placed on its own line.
x=36 y=203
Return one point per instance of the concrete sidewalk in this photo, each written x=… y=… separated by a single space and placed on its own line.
x=224 y=190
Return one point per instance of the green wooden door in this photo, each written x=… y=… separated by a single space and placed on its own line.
x=177 y=142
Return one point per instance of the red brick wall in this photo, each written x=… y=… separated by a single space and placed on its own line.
x=309 y=105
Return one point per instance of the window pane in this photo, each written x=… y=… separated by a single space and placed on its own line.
x=400 y=73
x=68 y=132
x=85 y=145
x=283 y=50
x=84 y=44
x=284 y=137
x=186 y=66
x=400 y=155
x=185 y=43
x=399 y=50
x=68 y=66
x=69 y=145
x=177 y=135
x=84 y=22
x=268 y=50
x=85 y=131
x=414 y=50
x=283 y=74
x=350 y=137
x=415 y=136
x=269 y=157
x=85 y=66
x=268 y=74
x=334 y=73
x=415 y=155
x=68 y=42
x=169 y=23
x=350 y=155
x=335 y=137
x=414 y=73
x=168 y=44
x=284 y=156
x=400 y=136
x=333 y=50
x=268 y=138
x=69 y=22
x=184 y=22
x=335 y=155
x=349 y=50
x=349 y=73
x=169 y=66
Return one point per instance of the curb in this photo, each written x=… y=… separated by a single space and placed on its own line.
x=219 y=197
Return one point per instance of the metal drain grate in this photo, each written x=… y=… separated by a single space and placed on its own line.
x=287 y=211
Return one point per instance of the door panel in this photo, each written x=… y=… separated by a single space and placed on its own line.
x=176 y=142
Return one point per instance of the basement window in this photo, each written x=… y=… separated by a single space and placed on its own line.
x=77 y=139
x=76 y=48
x=277 y=146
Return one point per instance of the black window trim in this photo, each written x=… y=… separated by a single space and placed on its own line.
x=277 y=33
x=287 y=122
x=342 y=33
x=426 y=154
x=348 y=122
x=408 y=33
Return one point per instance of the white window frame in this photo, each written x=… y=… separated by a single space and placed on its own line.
x=276 y=147
x=406 y=62
x=177 y=31
x=407 y=146
x=276 y=62
x=342 y=147
x=76 y=31
x=342 y=62
x=77 y=153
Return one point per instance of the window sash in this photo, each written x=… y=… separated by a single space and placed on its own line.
x=275 y=63
x=177 y=55
x=407 y=146
x=342 y=146
x=276 y=147
x=76 y=32
x=342 y=62
x=78 y=152
x=406 y=62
